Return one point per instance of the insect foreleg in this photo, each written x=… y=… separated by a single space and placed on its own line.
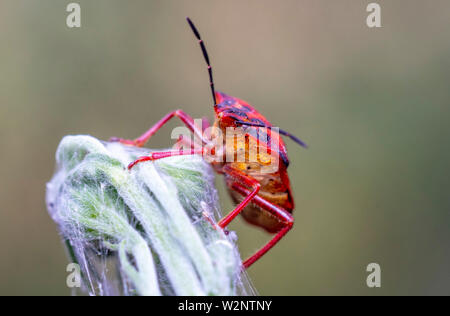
x=164 y=154
x=184 y=117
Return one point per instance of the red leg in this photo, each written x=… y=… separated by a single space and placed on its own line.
x=205 y=126
x=284 y=216
x=248 y=181
x=164 y=154
x=183 y=143
x=205 y=123
x=185 y=118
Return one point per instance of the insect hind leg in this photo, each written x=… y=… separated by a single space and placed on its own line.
x=241 y=177
x=284 y=216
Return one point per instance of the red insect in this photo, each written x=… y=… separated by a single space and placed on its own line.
x=264 y=199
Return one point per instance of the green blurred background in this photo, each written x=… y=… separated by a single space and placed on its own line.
x=373 y=104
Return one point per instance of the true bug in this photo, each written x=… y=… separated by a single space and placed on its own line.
x=264 y=200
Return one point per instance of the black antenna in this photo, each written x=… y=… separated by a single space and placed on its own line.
x=293 y=137
x=282 y=132
x=205 y=55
